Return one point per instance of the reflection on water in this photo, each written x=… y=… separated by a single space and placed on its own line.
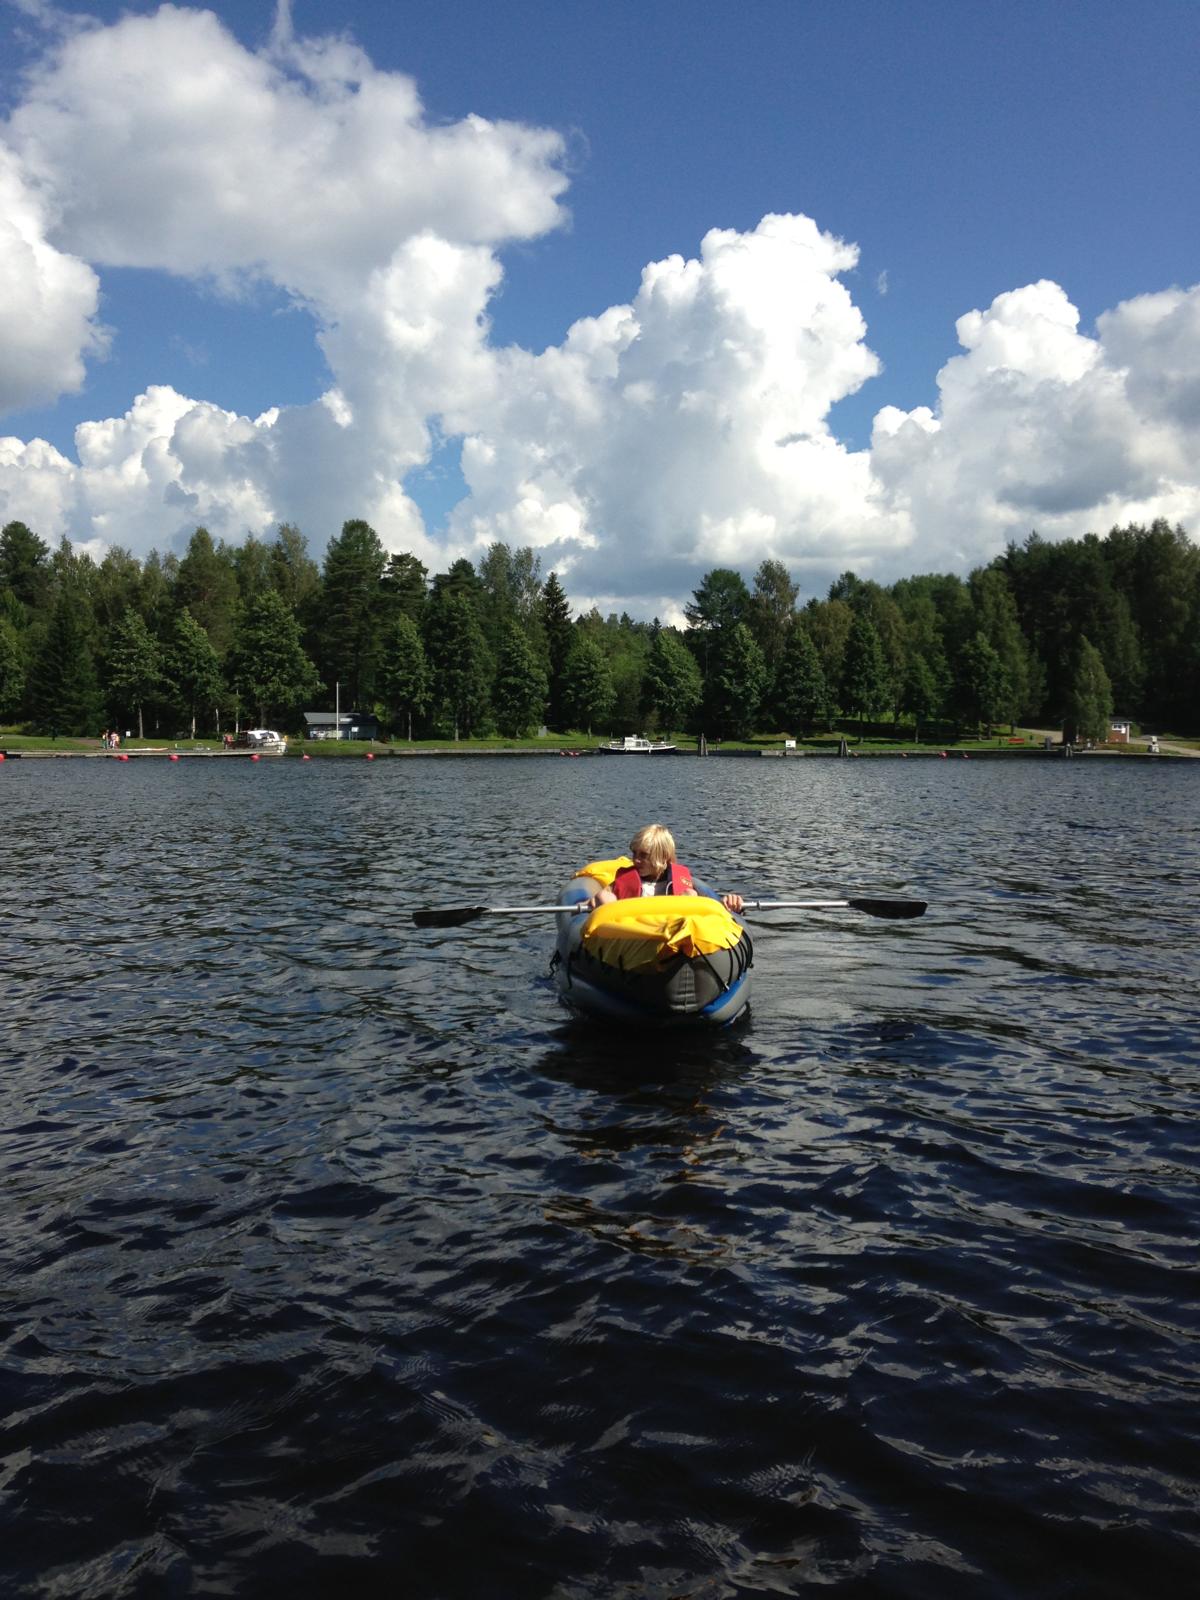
x=336 y=1253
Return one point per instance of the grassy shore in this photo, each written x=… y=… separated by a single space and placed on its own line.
x=1020 y=742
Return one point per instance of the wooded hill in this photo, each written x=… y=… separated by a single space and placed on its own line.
x=1056 y=634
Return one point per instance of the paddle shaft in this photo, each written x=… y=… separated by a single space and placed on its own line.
x=459 y=916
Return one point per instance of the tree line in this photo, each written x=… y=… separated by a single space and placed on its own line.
x=1062 y=634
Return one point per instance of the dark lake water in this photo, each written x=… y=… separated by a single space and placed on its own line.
x=336 y=1258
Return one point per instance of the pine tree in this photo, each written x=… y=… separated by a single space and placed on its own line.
x=63 y=694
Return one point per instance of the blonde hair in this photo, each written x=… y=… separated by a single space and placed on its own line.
x=656 y=843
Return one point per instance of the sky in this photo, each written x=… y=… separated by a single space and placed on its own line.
x=650 y=285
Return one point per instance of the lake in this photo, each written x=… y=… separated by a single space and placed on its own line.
x=336 y=1256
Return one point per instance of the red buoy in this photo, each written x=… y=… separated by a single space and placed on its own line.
x=254 y=757
x=370 y=755
x=172 y=756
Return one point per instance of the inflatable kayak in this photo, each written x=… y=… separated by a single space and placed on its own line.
x=660 y=961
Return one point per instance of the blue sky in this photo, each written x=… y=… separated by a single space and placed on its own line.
x=969 y=151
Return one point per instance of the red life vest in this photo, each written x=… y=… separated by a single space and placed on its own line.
x=627 y=885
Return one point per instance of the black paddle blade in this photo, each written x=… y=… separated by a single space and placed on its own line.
x=889 y=908
x=450 y=917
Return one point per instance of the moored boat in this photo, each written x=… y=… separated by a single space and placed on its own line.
x=663 y=961
x=634 y=745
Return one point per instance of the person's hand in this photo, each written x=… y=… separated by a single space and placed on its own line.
x=602 y=897
x=732 y=902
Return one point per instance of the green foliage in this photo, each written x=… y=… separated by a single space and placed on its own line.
x=135 y=669
x=985 y=688
x=865 y=686
x=404 y=675
x=63 y=694
x=772 y=607
x=267 y=664
x=736 y=683
x=12 y=670
x=405 y=584
x=672 y=688
x=800 y=694
x=519 y=693
x=294 y=574
x=1003 y=644
x=559 y=635
x=207 y=585
x=587 y=686
x=458 y=657
x=351 y=611
x=1089 y=704
x=24 y=564
x=193 y=666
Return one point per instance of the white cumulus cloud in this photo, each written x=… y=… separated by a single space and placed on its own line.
x=1040 y=426
x=48 y=301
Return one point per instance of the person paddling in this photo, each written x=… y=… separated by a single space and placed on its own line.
x=654 y=871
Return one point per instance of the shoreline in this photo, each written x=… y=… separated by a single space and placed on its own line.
x=450 y=752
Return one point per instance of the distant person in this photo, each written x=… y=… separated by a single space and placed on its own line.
x=654 y=871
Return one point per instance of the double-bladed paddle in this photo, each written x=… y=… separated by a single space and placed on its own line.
x=458 y=916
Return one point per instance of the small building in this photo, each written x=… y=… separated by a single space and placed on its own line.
x=343 y=725
x=1119 y=731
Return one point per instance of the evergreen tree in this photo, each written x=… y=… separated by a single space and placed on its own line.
x=405 y=585
x=117 y=589
x=194 y=667
x=134 y=667
x=721 y=601
x=519 y=693
x=267 y=664
x=351 y=608
x=293 y=571
x=735 y=683
x=255 y=568
x=1089 y=703
x=587 y=686
x=24 y=565
x=865 y=689
x=559 y=636
x=12 y=670
x=63 y=694
x=403 y=670
x=800 y=694
x=458 y=659
x=672 y=689
x=206 y=584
